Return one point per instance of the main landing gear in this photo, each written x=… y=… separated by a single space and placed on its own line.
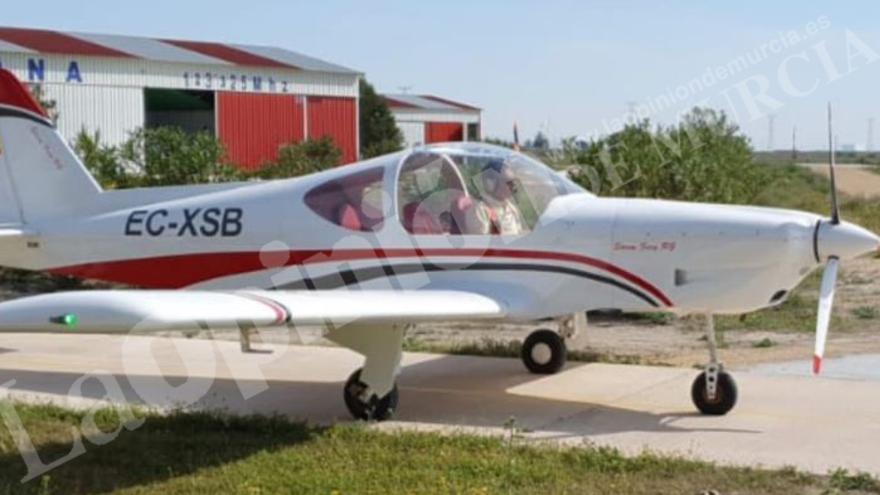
x=714 y=391
x=544 y=351
x=370 y=393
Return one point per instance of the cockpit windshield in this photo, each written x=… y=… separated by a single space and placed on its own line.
x=475 y=189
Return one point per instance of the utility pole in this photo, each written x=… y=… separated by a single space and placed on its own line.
x=794 y=144
x=771 y=122
x=869 y=144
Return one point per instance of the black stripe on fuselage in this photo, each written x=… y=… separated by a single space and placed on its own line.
x=347 y=277
x=6 y=111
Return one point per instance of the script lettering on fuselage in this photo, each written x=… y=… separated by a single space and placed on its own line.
x=188 y=222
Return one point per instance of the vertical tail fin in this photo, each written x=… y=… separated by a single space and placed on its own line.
x=40 y=176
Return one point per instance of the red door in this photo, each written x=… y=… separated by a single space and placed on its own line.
x=337 y=118
x=254 y=126
x=440 y=132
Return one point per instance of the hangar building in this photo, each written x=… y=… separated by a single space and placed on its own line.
x=253 y=98
x=426 y=119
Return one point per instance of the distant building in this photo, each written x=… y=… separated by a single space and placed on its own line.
x=850 y=147
x=425 y=119
x=253 y=98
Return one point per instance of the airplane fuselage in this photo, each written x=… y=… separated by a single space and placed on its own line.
x=585 y=252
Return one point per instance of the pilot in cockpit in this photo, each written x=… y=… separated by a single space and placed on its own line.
x=498 y=213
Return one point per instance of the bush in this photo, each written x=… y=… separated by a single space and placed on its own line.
x=307 y=157
x=162 y=156
x=102 y=160
x=166 y=156
x=704 y=158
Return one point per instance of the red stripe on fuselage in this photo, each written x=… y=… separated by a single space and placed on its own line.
x=188 y=269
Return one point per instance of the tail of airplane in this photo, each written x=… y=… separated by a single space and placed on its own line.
x=40 y=176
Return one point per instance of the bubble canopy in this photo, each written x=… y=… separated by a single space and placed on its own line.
x=444 y=189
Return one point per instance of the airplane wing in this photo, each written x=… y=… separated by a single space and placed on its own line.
x=109 y=311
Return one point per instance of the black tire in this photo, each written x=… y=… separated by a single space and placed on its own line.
x=544 y=340
x=725 y=395
x=375 y=409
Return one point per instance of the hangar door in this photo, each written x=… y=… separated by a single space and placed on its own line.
x=439 y=132
x=253 y=127
x=337 y=118
x=413 y=133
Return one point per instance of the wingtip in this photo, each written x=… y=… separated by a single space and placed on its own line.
x=817 y=364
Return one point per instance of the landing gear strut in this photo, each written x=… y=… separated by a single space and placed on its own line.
x=714 y=391
x=371 y=392
x=544 y=351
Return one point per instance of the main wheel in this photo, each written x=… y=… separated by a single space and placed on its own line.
x=368 y=409
x=544 y=352
x=725 y=394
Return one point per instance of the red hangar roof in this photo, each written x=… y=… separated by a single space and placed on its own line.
x=426 y=102
x=28 y=41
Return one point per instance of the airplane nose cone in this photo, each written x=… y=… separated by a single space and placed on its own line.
x=844 y=240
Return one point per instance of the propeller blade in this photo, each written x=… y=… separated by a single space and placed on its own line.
x=823 y=318
x=835 y=211
x=515 y=136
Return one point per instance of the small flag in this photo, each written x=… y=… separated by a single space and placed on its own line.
x=515 y=137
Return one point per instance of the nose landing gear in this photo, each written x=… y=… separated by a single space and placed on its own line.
x=714 y=391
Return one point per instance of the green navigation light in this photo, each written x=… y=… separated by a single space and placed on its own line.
x=70 y=320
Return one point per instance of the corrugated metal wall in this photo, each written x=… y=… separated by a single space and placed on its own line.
x=114 y=111
x=105 y=71
x=417 y=115
x=337 y=118
x=413 y=133
x=438 y=132
x=253 y=127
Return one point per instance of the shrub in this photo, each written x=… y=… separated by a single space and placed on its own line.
x=704 y=158
x=162 y=156
x=165 y=156
x=303 y=158
x=102 y=160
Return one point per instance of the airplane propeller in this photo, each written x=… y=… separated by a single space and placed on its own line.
x=829 y=277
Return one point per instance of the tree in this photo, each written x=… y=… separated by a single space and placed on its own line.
x=540 y=142
x=703 y=158
x=379 y=133
x=310 y=156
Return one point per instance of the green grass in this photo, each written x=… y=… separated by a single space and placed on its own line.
x=866 y=313
x=191 y=453
x=764 y=343
x=512 y=348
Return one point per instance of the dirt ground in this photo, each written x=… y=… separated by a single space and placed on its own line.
x=854 y=180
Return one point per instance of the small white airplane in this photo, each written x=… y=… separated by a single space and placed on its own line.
x=436 y=233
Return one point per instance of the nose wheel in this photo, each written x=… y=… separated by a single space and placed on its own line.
x=714 y=391
x=365 y=405
x=544 y=352
x=723 y=396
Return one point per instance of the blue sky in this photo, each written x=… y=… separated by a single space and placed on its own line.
x=567 y=67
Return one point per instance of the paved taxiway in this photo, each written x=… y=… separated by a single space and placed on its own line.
x=813 y=423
